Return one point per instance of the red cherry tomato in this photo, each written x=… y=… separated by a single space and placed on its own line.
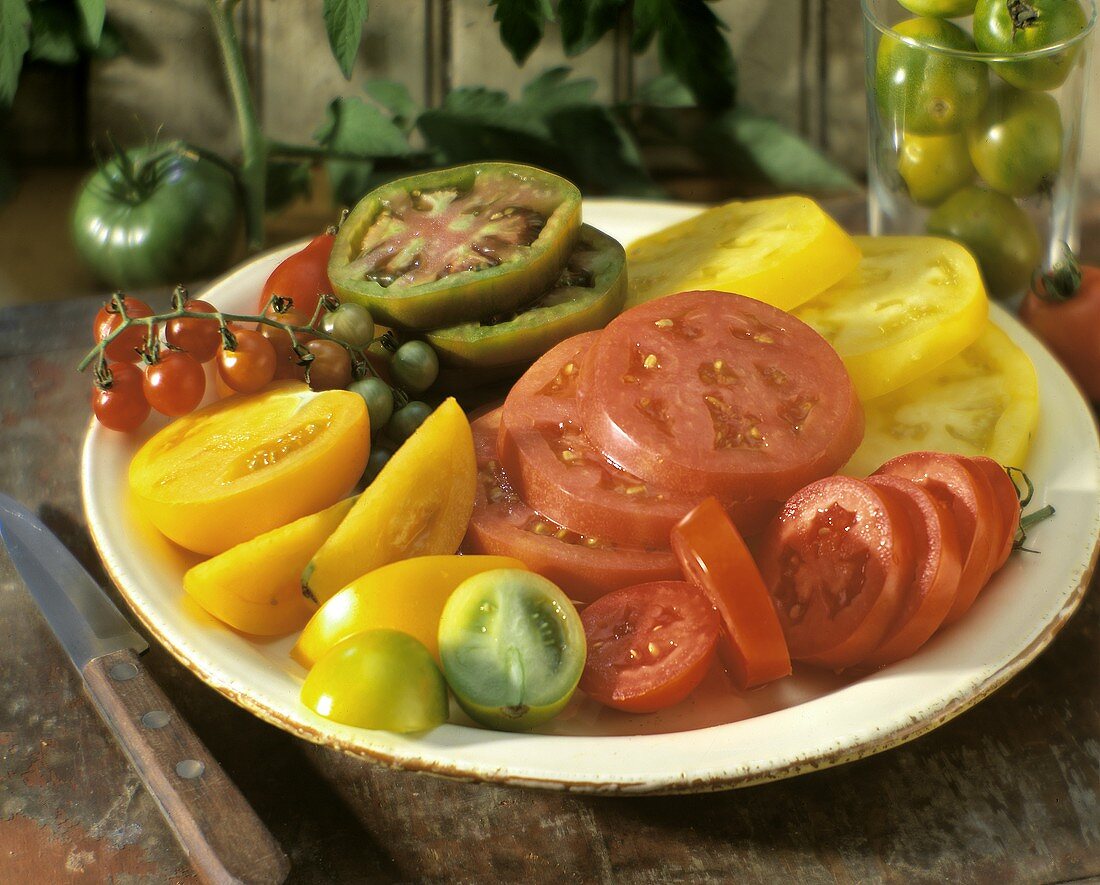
x=286 y=360
x=649 y=645
x=331 y=366
x=714 y=557
x=1008 y=500
x=303 y=276
x=125 y=347
x=175 y=383
x=200 y=338
x=250 y=365
x=121 y=406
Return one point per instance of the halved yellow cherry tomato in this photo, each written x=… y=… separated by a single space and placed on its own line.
x=912 y=304
x=985 y=401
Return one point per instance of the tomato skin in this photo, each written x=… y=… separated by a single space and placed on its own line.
x=1071 y=329
x=126 y=346
x=175 y=384
x=1008 y=500
x=1037 y=24
x=330 y=368
x=200 y=338
x=1016 y=143
x=934 y=166
x=250 y=365
x=302 y=277
x=122 y=406
x=714 y=557
x=649 y=645
x=286 y=360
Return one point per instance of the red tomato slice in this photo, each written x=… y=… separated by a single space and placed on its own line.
x=716 y=394
x=714 y=557
x=837 y=562
x=586 y=568
x=938 y=560
x=968 y=494
x=1008 y=499
x=649 y=645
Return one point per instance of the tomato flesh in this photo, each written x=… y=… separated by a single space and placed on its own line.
x=649 y=645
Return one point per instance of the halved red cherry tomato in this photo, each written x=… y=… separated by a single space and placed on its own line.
x=938 y=567
x=175 y=383
x=714 y=557
x=122 y=405
x=125 y=347
x=649 y=645
x=1008 y=499
x=303 y=276
x=837 y=562
x=250 y=365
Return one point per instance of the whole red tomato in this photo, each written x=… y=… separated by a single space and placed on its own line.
x=1063 y=309
x=303 y=276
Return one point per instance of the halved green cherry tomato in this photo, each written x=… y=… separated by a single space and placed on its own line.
x=934 y=166
x=381 y=679
x=649 y=645
x=512 y=647
x=1016 y=143
x=714 y=558
x=939 y=8
x=589 y=292
x=459 y=244
x=1011 y=28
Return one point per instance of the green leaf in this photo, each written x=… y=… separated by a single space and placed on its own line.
x=475 y=123
x=15 y=40
x=344 y=23
x=56 y=31
x=286 y=181
x=111 y=42
x=521 y=24
x=664 y=91
x=739 y=137
x=584 y=22
x=600 y=153
x=394 y=97
x=92 y=13
x=492 y=108
x=552 y=89
x=349 y=179
x=354 y=127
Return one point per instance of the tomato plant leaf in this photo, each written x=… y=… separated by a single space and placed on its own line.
x=522 y=23
x=394 y=97
x=600 y=153
x=361 y=130
x=286 y=181
x=584 y=22
x=344 y=23
x=15 y=40
x=92 y=13
x=349 y=179
x=664 y=91
x=58 y=35
x=552 y=89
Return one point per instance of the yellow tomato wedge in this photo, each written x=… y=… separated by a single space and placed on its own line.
x=248 y=464
x=911 y=305
x=419 y=505
x=256 y=587
x=407 y=596
x=782 y=250
x=985 y=401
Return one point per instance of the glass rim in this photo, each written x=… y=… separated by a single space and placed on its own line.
x=870 y=16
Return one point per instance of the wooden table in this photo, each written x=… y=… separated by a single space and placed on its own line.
x=1009 y=791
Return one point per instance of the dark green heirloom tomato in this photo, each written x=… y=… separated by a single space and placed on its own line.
x=454 y=245
x=923 y=91
x=589 y=292
x=1016 y=143
x=1011 y=27
x=939 y=8
x=156 y=215
x=934 y=166
x=998 y=232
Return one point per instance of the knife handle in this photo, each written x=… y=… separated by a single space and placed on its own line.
x=224 y=839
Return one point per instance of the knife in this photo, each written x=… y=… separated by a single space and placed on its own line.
x=224 y=839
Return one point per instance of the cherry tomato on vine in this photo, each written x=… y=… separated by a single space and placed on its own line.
x=125 y=347
x=303 y=276
x=175 y=383
x=350 y=322
x=405 y=420
x=331 y=365
x=250 y=365
x=286 y=360
x=378 y=396
x=200 y=338
x=121 y=405
x=415 y=366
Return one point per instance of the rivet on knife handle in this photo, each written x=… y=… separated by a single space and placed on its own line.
x=224 y=839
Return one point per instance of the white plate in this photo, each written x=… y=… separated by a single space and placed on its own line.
x=806 y=722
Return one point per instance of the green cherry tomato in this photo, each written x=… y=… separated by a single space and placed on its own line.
x=381 y=679
x=379 y=457
x=512 y=647
x=998 y=233
x=415 y=366
x=934 y=166
x=156 y=215
x=1016 y=143
x=1012 y=27
x=350 y=322
x=405 y=421
x=378 y=396
x=939 y=8
x=926 y=92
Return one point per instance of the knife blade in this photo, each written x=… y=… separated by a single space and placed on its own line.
x=217 y=828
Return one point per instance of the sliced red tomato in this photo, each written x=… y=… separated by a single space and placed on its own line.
x=712 y=393
x=649 y=645
x=586 y=568
x=714 y=557
x=837 y=561
x=1008 y=499
x=969 y=496
x=938 y=567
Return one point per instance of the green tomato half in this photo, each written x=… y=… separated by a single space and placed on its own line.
x=1002 y=27
x=1016 y=143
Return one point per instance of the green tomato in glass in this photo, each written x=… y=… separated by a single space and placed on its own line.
x=997 y=232
x=1012 y=27
x=405 y=420
x=512 y=647
x=415 y=366
x=934 y=166
x=350 y=322
x=925 y=92
x=939 y=8
x=378 y=396
x=156 y=215
x=1016 y=143
x=381 y=679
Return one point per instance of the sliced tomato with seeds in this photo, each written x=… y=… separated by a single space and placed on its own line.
x=1008 y=499
x=713 y=556
x=938 y=567
x=649 y=645
x=837 y=561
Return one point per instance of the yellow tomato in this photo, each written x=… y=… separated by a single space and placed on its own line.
x=407 y=595
x=256 y=587
x=419 y=505
x=248 y=464
x=912 y=304
x=985 y=401
x=782 y=251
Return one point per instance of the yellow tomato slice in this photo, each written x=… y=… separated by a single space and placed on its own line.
x=985 y=401
x=248 y=464
x=782 y=250
x=911 y=305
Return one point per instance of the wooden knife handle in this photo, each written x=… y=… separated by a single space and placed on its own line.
x=224 y=839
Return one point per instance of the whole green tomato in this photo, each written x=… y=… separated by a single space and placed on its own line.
x=934 y=166
x=939 y=8
x=1011 y=27
x=1016 y=143
x=156 y=215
